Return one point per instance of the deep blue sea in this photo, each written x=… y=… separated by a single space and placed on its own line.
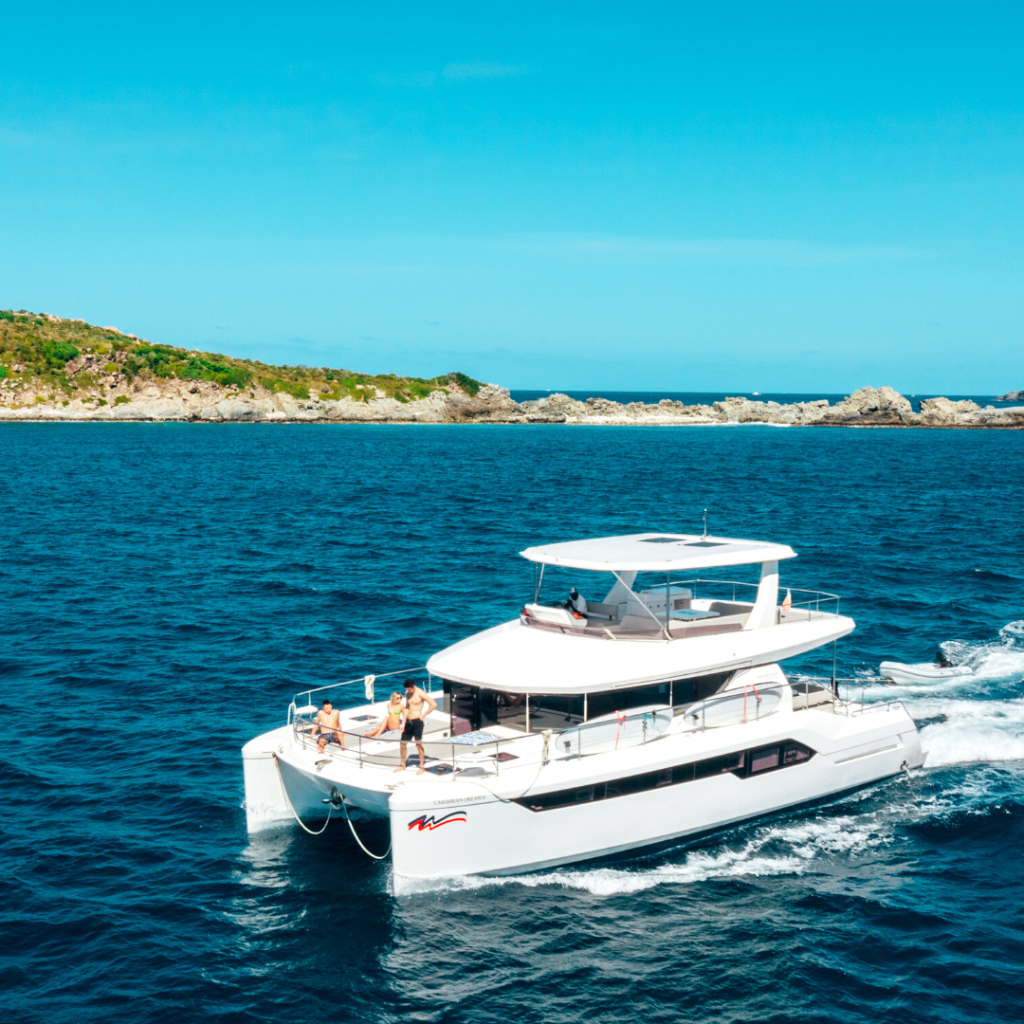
x=165 y=588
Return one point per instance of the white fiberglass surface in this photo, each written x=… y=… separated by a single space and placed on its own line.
x=528 y=659
x=659 y=552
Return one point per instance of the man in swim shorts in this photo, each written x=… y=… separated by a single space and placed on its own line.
x=418 y=704
x=327 y=722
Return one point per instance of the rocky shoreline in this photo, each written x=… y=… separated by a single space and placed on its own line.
x=177 y=400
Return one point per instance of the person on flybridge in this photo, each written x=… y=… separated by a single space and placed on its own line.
x=576 y=603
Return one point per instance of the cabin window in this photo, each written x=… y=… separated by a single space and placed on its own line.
x=795 y=753
x=764 y=759
x=500 y=708
x=464 y=706
x=555 y=711
x=735 y=763
x=610 y=701
x=761 y=759
x=688 y=691
x=630 y=784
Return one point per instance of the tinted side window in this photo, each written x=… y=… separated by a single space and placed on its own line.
x=741 y=763
x=564 y=798
x=499 y=708
x=794 y=753
x=555 y=711
x=599 y=704
x=687 y=691
x=734 y=763
x=630 y=784
x=764 y=759
x=463 y=703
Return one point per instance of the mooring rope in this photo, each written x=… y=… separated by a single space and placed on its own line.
x=369 y=853
x=330 y=807
x=288 y=801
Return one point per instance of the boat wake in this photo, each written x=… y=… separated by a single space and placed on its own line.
x=970 y=730
x=976 y=718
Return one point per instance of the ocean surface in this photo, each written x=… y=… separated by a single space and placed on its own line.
x=165 y=588
x=710 y=397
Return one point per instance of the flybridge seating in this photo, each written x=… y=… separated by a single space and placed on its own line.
x=667 y=607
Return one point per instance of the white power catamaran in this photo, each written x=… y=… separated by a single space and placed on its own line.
x=661 y=712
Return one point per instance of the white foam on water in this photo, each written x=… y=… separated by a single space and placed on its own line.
x=845 y=834
x=973 y=730
x=793 y=848
x=982 y=718
x=698 y=866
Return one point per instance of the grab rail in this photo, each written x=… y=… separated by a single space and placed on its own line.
x=361 y=681
x=546 y=742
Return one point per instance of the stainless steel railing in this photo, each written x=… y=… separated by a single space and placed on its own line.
x=306 y=696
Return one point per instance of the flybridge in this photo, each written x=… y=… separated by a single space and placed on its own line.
x=723 y=624
x=657 y=552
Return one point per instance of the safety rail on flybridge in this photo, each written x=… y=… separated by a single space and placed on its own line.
x=680 y=609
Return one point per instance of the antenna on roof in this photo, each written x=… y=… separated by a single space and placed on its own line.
x=705 y=537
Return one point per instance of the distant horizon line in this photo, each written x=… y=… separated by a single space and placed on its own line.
x=728 y=391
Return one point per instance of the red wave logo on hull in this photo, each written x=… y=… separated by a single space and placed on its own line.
x=429 y=822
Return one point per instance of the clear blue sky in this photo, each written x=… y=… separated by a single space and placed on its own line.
x=597 y=196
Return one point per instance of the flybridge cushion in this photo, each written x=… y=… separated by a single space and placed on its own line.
x=556 y=616
x=604 y=611
x=473 y=739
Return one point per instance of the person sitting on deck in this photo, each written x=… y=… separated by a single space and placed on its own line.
x=328 y=722
x=418 y=704
x=942 y=661
x=394 y=719
x=576 y=604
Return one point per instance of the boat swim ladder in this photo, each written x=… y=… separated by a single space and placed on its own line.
x=334 y=801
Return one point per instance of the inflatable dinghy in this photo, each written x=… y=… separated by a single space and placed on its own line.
x=925 y=672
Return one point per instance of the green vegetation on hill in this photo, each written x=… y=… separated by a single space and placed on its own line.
x=46 y=351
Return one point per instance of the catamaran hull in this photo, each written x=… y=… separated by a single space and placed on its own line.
x=283 y=784
x=488 y=824
x=475 y=833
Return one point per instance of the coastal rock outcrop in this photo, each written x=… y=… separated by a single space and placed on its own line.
x=118 y=399
x=67 y=370
x=871 y=406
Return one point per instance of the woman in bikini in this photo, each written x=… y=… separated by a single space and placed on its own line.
x=395 y=716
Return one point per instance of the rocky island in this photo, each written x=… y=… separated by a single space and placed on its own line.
x=54 y=369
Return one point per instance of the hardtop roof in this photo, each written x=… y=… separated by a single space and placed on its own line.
x=657 y=552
